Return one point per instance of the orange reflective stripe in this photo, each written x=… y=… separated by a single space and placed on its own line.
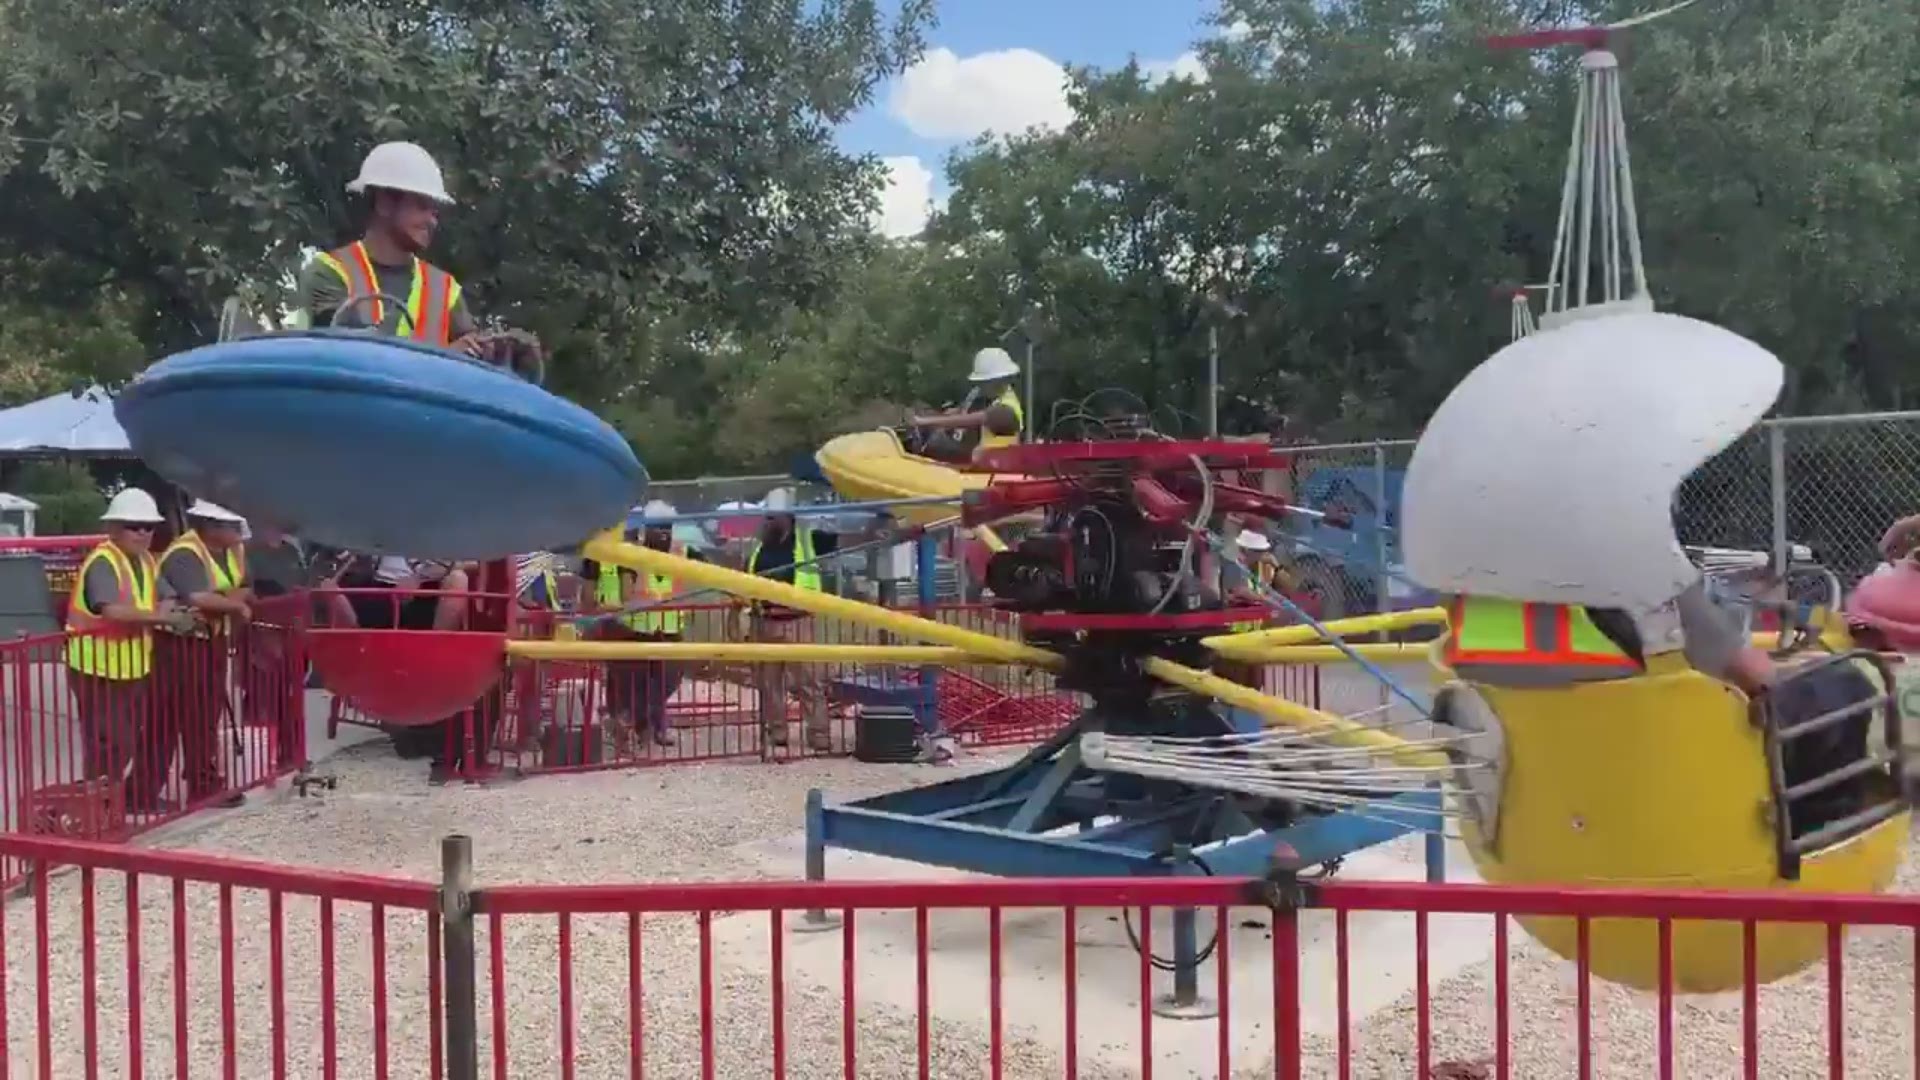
x=361 y=280
x=430 y=303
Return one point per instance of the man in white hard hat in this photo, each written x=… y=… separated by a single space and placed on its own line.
x=991 y=414
x=115 y=605
x=206 y=571
x=404 y=194
x=1261 y=572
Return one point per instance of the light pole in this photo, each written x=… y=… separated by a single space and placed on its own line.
x=1217 y=310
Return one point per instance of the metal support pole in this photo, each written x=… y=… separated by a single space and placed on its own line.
x=1436 y=843
x=1777 y=480
x=1213 y=381
x=1185 y=1003
x=1026 y=402
x=456 y=943
x=815 y=919
x=926 y=568
x=1382 y=586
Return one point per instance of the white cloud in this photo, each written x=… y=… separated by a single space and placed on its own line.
x=946 y=96
x=1185 y=66
x=906 y=199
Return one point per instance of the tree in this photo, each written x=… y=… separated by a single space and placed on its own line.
x=618 y=165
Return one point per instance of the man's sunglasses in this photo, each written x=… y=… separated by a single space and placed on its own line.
x=138 y=526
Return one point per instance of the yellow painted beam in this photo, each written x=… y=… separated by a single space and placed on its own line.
x=1393 y=653
x=1236 y=646
x=609 y=548
x=756 y=652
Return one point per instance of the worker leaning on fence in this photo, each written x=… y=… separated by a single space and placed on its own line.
x=206 y=570
x=110 y=619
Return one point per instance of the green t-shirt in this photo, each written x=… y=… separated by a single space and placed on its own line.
x=320 y=292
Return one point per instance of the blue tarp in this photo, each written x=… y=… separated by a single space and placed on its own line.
x=65 y=423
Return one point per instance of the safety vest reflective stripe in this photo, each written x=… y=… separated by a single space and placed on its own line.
x=607 y=591
x=1262 y=573
x=1012 y=401
x=1487 y=631
x=430 y=298
x=806 y=572
x=660 y=588
x=100 y=646
x=223 y=574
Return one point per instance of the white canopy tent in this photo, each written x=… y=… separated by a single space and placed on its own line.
x=66 y=424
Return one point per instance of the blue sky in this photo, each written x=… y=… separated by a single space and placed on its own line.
x=995 y=65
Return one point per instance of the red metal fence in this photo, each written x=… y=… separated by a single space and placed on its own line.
x=210 y=718
x=149 y=963
x=560 y=716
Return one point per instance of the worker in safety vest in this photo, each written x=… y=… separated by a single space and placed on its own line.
x=990 y=416
x=789 y=552
x=206 y=571
x=1511 y=643
x=404 y=194
x=110 y=619
x=1256 y=557
x=659 y=620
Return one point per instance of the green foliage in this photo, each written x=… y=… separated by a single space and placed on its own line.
x=70 y=501
x=656 y=190
x=618 y=164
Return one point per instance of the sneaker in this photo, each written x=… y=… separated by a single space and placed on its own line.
x=665 y=738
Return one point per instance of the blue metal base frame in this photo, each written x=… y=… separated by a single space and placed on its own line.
x=1050 y=816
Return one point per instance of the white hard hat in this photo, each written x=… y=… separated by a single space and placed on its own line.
x=658 y=511
x=207 y=511
x=1248 y=540
x=992 y=363
x=778 y=501
x=401 y=166
x=133 y=506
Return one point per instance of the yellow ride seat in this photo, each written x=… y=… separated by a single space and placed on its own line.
x=1659 y=780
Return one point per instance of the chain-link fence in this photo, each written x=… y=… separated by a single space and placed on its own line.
x=1831 y=483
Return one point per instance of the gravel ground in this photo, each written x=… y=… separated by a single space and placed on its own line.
x=679 y=823
x=689 y=823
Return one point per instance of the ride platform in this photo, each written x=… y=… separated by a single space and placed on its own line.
x=1050 y=815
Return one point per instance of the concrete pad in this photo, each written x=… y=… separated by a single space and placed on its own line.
x=1108 y=976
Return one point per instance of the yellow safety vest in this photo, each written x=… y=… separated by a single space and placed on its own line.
x=1012 y=401
x=606 y=589
x=99 y=646
x=1509 y=641
x=806 y=572
x=1263 y=573
x=223 y=575
x=430 y=300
